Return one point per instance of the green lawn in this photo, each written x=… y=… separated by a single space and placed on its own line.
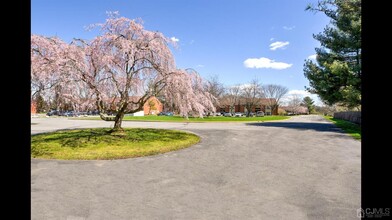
x=101 y=144
x=192 y=119
x=352 y=129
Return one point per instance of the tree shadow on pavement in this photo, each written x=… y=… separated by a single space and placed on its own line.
x=300 y=126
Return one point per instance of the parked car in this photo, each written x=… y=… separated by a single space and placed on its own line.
x=70 y=114
x=81 y=114
x=61 y=113
x=227 y=114
x=165 y=114
x=252 y=114
x=209 y=114
x=93 y=112
x=212 y=114
x=238 y=114
x=52 y=112
x=260 y=114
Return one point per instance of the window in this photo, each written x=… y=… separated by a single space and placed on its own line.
x=268 y=110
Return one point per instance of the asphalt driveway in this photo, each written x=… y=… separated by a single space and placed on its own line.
x=301 y=168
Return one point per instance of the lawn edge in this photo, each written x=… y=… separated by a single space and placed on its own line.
x=146 y=156
x=328 y=118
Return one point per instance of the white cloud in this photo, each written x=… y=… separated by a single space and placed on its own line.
x=288 y=28
x=200 y=65
x=265 y=63
x=302 y=94
x=312 y=57
x=278 y=44
x=299 y=92
x=271 y=39
x=245 y=85
x=191 y=42
x=174 y=39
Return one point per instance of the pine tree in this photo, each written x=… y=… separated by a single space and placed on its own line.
x=336 y=75
x=308 y=103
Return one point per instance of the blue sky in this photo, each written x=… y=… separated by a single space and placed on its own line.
x=236 y=40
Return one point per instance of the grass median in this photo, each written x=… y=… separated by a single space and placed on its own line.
x=101 y=144
x=352 y=129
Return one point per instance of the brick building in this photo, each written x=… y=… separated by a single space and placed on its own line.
x=33 y=108
x=153 y=106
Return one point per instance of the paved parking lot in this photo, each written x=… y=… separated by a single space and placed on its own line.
x=301 y=168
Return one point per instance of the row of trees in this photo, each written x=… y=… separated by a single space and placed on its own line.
x=51 y=101
x=123 y=61
x=250 y=93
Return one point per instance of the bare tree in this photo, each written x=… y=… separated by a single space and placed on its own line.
x=251 y=93
x=274 y=94
x=214 y=87
x=294 y=103
x=232 y=95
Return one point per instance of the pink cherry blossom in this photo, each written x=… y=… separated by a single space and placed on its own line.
x=125 y=61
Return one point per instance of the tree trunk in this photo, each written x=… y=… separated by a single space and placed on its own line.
x=273 y=108
x=248 y=109
x=118 y=121
x=119 y=117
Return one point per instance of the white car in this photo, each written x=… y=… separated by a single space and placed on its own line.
x=227 y=114
x=260 y=114
x=238 y=114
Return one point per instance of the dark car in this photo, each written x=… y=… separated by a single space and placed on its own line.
x=70 y=114
x=62 y=113
x=165 y=114
x=93 y=112
x=52 y=112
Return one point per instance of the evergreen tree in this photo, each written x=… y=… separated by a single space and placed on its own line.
x=40 y=103
x=308 y=103
x=336 y=74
